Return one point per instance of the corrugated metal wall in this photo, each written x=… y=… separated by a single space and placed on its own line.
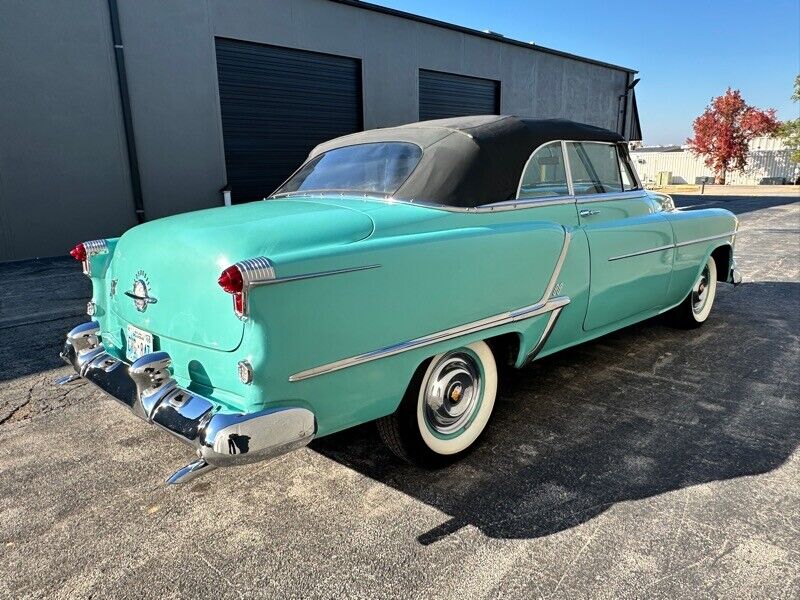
x=767 y=158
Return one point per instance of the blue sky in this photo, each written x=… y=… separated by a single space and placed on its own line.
x=685 y=52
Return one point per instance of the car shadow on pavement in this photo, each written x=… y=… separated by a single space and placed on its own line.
x=644 y=411
x=736 y=204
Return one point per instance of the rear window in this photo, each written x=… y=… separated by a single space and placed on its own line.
x=379 y=168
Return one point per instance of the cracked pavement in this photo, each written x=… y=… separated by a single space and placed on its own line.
x=651 y=463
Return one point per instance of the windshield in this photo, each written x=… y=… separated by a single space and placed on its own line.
x=378 y=168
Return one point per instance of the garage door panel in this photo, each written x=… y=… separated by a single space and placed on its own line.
x=443 y=95
x=277 y=104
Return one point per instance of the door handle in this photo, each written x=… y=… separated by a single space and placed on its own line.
x=588 y=213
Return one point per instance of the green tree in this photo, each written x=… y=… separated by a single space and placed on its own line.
x=789 y=131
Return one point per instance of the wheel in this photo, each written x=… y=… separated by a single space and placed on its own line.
x=445 y=409
x=694 y=310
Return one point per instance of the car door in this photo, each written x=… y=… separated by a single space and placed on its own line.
x=630 y=241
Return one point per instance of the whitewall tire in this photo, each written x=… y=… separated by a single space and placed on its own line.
x=446 y=408
x=696 y=307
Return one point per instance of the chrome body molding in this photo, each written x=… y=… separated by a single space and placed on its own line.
x=148 y=389
x=290 y=278
x=93 y=248
x=641 y=252
x=544 y=305
x=548 y=329
x=705 y=239
x=675 y=245
x=261 y=271
x=503 y=205
x=255 y=271
x=505 y=318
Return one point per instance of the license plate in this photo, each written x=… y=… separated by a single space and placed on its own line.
x=139 y=343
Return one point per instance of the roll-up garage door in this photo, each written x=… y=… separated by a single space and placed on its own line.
x=277 y=104
x=444 y=95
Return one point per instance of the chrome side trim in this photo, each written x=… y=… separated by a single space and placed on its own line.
x=93 y=248
x=609 y=196
x=705 y=239
x=544 y=305
x=641 y=252
x=289 y=278
x=548 y=329
x=548 y=291
x=676 y=245
x=505 y=318
x=567 y=168
x=256 y=271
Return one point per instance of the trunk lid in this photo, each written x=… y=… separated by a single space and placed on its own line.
x=176 y=261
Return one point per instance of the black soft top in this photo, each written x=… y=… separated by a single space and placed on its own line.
x=470 y=161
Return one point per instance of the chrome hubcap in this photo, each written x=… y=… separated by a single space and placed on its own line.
x=452 y=395
x=700 y=291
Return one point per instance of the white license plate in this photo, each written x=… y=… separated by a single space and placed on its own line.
x=139 y=343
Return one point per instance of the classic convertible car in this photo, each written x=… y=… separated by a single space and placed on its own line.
x=386 y=280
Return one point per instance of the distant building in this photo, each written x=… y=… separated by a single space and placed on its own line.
x=768 y=161
x=120 y=111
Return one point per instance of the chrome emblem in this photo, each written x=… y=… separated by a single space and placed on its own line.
x=140 y=293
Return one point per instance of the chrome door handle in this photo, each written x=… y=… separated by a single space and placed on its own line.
x=588 y=213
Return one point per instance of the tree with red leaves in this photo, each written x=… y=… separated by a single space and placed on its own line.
x=722 y=133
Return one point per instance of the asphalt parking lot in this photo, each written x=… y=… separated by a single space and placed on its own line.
x=652 y=463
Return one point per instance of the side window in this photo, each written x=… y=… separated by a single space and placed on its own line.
x=544 y=173
x=594 y=167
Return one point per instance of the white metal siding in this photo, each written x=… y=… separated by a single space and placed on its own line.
x=767 y=158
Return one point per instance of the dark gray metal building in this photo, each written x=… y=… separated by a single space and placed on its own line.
x=113 y=111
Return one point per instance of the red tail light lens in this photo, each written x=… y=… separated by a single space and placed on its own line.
x=78 y=253
x=231 y=280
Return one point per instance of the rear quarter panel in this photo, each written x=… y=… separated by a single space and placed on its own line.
x=425 y=282
x=697 y=234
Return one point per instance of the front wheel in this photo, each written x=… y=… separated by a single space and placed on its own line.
x=696 y=307
x=445 y=409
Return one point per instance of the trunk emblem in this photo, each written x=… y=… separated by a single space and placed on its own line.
x=140 y=292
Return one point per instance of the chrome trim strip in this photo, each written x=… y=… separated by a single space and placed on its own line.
x=544 y=305
x=548 y=291
x=609 y=196
x=641 y=252
x=256 y=271
x=705 y=239
x=676 y=245
x=548 y=329
x=441 y=336
x=93 y=248
x=290 y=278
x=567 y=168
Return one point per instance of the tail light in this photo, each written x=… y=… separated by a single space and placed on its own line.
x=85 y=250
x=240 y=277
x=78 y=252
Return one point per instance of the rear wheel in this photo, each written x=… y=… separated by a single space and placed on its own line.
x=445 y=409
x=694 y=310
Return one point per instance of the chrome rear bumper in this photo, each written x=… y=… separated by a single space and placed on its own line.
x=147 y=388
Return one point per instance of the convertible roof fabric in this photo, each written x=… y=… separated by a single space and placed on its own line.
x=470 y=161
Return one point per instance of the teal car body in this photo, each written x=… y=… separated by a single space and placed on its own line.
x=357 y=291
